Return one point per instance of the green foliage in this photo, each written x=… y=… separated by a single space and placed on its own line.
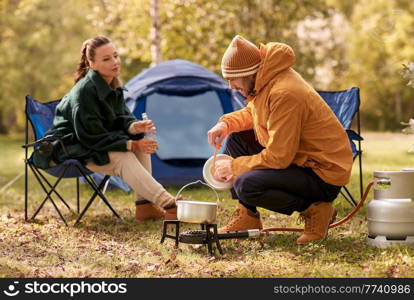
x=408 y=73
x=41 y=39
x=378 y=45
x=201 y=30
x=38 y=54
x=338 y=44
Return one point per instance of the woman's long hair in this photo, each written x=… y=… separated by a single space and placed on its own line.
x=88 y=52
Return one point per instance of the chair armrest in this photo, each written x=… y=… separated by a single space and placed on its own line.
x=353 y=135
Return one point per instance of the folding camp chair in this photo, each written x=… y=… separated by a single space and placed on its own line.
x=40 y=115
x=345 y=105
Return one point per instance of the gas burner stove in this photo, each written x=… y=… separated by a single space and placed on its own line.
x=208 y=235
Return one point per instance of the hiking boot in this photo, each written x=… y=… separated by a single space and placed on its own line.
x=171 y=211
x=242 y=219
x=317 y=218
x=146 y=210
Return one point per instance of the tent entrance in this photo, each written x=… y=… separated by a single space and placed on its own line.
x=182 y=123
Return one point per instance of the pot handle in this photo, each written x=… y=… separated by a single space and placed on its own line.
x=195 y=182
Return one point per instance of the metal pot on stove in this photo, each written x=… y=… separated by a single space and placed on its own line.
x=199 y=212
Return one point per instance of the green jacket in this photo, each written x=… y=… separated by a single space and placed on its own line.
x=92 y=119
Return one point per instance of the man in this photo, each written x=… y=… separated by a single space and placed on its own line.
x=290 y=153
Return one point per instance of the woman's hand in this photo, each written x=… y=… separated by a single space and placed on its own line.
x=146 y=145
x=146 y=126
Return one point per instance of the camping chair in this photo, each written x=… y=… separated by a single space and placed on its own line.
x=345 y=105
x=40 y=115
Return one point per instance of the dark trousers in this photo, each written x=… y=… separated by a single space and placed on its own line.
x=280 y=190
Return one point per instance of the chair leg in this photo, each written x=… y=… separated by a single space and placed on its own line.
x=48 y=195
x=26 y=187
x=26 y=167
x=97 y=192
x=54 y=190
x=58 y=211
x=104 y=199
x=86 y=208
x=89 y=203
x=348 y=197
x=105 y=187
x=77 y=196
x=102 y=196
x=361 y=185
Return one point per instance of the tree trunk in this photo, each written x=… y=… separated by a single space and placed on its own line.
x=398 y=108
x=3 y=128
x=155 y=33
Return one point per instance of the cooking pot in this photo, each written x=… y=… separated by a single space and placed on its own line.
x=196 y=211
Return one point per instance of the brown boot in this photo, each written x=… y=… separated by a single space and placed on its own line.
x=171 y=213
x=317 y=218
x=243 y=219
x=146 y=210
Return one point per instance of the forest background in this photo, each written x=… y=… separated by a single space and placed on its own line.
x=339 y=44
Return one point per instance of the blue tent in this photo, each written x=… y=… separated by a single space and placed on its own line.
x=184 y=100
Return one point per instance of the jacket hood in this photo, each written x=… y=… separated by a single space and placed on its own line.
x=276 y=57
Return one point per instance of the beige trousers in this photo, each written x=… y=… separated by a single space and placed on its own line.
x=135 y=169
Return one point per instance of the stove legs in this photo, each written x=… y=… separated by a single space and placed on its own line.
x=217 y=240
x=211 y=236
x=165 y=231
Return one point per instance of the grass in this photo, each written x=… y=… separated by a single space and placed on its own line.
x=102 y=246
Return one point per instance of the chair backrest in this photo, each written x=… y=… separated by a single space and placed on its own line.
x=345 y=104
x=40 y=115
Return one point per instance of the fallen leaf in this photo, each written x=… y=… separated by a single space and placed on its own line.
x=151 y=267
x=392 y=271
x=366 y=268
x=133 y=262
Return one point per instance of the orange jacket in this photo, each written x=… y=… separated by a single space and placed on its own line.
x=291 y=121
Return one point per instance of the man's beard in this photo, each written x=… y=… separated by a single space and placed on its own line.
x=250 y=90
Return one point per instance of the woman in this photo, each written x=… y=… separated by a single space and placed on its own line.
x=97 y=129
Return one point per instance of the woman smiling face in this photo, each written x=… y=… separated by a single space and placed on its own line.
x=106 y=62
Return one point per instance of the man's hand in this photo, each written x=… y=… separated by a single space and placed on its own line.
x=146 y=145
x=222 y=170
x=146 y=126
x=217 y=134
